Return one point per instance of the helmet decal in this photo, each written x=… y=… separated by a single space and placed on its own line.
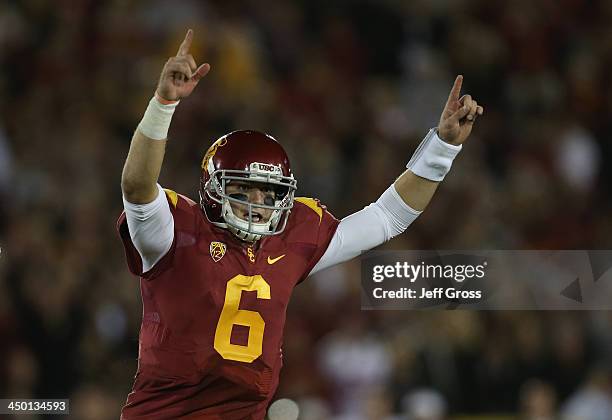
x=212 y=150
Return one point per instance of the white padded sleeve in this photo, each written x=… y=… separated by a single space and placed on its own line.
x=377 y=223
x=151 y=228
x=433 y=158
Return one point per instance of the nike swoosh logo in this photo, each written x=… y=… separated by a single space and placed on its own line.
x=273 y=260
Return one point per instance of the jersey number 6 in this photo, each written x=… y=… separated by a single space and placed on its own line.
x=231 y=315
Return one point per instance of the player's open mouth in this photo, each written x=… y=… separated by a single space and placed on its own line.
x=255 y=217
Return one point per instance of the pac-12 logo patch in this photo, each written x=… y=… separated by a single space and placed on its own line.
x=217 y=250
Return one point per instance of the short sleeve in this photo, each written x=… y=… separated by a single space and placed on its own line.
x=325 y=224
x=134 y=260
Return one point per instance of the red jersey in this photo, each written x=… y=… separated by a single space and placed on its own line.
x=214 y=311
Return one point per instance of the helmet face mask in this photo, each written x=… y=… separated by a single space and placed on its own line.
x=273 y=173
x=216 y=190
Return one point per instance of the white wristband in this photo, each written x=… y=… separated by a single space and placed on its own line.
x=433 y=158
x=156 y=120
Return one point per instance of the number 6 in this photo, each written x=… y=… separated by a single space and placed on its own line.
x=231 y=315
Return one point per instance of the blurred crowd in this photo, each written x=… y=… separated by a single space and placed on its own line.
x=349 y=88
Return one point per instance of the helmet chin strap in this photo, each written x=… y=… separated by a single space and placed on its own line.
x=234 y=223
x=244 y=236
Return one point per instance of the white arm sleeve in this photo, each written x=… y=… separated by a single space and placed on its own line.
x=151 y=228
x=377 y=223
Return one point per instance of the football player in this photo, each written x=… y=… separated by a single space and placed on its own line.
x=216 y=276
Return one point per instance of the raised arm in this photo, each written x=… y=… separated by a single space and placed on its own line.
x=179 y=77
x=147 y=212
x=431 y=160
x=403 y=201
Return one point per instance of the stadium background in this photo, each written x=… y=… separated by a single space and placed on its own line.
x=349 y=89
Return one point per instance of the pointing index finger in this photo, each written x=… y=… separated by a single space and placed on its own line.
x=186 y=44
x=455 y=91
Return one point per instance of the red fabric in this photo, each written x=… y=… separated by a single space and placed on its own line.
x=179 y=371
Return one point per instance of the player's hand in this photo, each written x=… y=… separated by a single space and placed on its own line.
x=459 y=115
x=180 y=74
